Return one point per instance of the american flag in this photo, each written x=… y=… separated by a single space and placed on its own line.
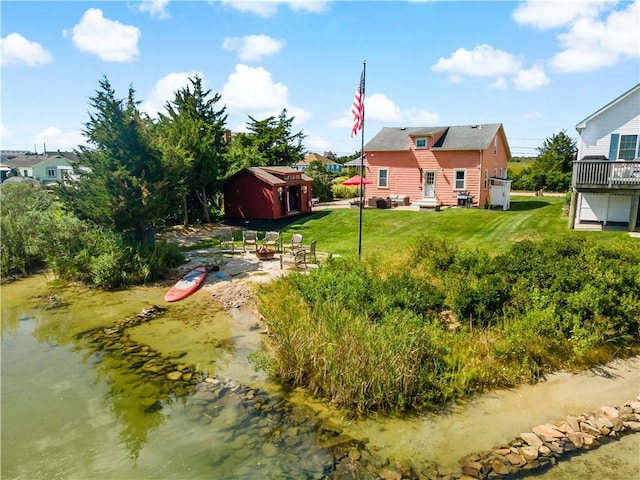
x=358 y=107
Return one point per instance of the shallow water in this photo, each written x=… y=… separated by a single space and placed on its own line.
x=497 y=418
x=69 y=411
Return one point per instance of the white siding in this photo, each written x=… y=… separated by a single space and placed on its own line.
x=622 y=118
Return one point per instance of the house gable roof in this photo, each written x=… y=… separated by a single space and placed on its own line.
x=583 y=124
x=465 y=137
x=315 y=157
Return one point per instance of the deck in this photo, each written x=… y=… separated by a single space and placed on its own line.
x=606 y=175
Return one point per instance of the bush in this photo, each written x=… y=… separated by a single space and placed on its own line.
x=36 y=232
x=368 y=335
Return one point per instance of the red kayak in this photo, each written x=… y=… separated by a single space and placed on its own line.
x=187 y=284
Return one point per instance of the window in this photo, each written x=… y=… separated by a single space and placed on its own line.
x=460 y=179
x=495 y=145
x=383 y=178
x=421 y=143
x=628 y=147
x=51 y=172
x=486 y=178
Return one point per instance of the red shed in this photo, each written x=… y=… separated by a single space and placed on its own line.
x=267 y=193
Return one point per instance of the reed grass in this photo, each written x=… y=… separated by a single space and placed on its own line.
x=371 y=335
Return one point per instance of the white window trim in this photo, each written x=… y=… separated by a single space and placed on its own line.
x=455 y=179
x=387 y=177
x=51 y=172
x=495 y=145
x=426 y=143
x=635 y=147
x=486 y=178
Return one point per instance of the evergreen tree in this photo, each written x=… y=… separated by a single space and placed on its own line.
x=274 y=141
x=121 y=181
x=192 y=135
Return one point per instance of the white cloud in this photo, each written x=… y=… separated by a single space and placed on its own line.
x=4 y=132
x=17 y=50
x=544 y=15
x=592 y=43
x=315 y=143
x=252 y=47
x=378 y=107
x=164 y=91
x=268 y=8
x=482 y=61
x=155 y=8
x=109 y=39
x=500 y=83
x=252 y=91
x=56 y=139
x=531 y=79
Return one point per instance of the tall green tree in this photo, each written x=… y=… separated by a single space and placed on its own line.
x=122 y=183
x=192 y=136
x=551 y=170
x=273 y=140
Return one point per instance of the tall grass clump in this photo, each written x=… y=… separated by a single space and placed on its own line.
x=396 y=335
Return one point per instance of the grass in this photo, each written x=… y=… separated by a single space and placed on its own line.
x=391 y=231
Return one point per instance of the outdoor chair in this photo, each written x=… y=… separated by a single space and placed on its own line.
x=249 y=237
x=226 y=239
x=311 y=253
x=296 y=242
x=296 y=257
x=271 y=241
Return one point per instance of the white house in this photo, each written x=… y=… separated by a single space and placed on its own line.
x=606 y=175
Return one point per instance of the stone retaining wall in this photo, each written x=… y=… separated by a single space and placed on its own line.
x=322 y=450
x=546 y=444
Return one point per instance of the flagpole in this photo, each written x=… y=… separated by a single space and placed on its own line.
x=364 y=68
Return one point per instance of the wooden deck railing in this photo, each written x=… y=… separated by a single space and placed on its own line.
x=599 y=174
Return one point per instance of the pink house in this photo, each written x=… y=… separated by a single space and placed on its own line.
x=435 y=166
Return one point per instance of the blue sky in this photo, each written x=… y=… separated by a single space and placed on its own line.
x=537 y=67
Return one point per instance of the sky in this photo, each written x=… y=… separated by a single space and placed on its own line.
x=537 y=67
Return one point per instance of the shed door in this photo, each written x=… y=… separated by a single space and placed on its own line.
x=429 y=184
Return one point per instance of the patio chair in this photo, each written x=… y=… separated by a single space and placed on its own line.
x=249 y=237
x=311 y=253
x=226 y=239
x=296 y=257
x=271 y=241
x=296 y=242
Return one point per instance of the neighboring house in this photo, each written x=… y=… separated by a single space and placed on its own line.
x=267 y=193
x=605 y=186
x=436 y=166
x=45 y=169
x=330 y=165
x=355 y=163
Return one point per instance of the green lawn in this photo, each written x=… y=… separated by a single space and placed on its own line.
x=386 y=231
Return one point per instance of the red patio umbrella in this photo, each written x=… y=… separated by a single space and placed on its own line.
x=356 y=180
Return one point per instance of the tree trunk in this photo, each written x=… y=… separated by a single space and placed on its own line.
x=202 y=197
x=185 y=212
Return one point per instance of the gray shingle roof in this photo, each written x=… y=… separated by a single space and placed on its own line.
x=465 y=137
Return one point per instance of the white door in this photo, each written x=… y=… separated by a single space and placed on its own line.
x=429 y=184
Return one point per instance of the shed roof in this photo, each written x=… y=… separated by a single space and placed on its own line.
x=264 y=174
x=464 y=137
